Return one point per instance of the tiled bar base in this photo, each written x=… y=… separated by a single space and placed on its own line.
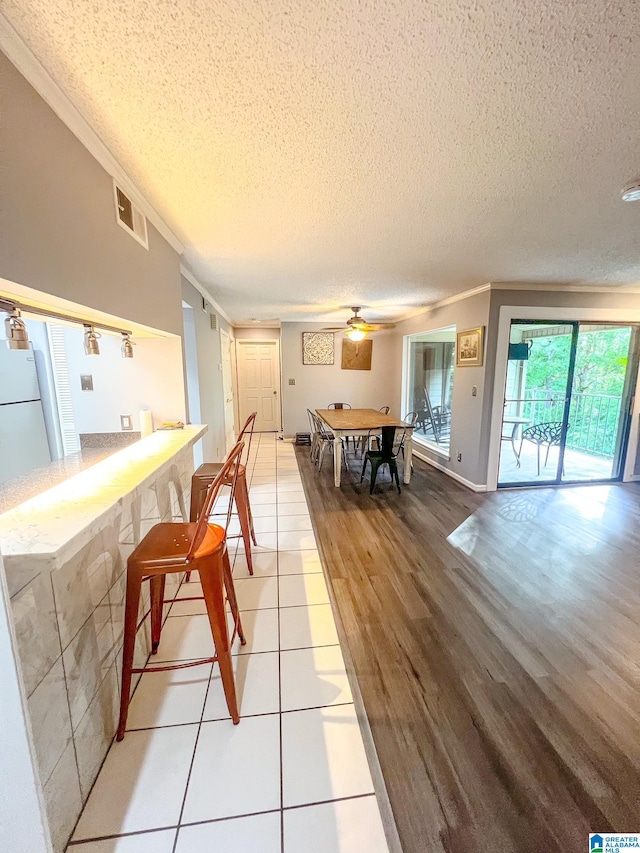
x=65 y=567
x=293 y=775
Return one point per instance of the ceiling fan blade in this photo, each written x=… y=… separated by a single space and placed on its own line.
x=376 y=327
x=372 y=327
x=332 y=329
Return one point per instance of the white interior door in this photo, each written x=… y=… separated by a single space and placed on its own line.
x=227 y=390
x=259 y=383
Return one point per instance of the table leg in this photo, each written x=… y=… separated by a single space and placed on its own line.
x=514 y=433
x=408 y=450
x=337 y=458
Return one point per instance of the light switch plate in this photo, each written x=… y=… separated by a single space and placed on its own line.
x=86 y=383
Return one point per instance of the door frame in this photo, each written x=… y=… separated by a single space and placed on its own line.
x=623 y=316
x=238 y=343
x=229 y=429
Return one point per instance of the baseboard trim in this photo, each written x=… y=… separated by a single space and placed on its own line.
x=475 y=487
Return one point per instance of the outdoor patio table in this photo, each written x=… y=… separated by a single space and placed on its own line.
x=357 y=422
x=517 y=421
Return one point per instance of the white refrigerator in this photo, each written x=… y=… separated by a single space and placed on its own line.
x=23 y=436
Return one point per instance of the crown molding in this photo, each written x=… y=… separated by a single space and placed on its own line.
x=524 y=286
x=449 y=300
x=190 y=277
x=36 y=74
x=560 y=287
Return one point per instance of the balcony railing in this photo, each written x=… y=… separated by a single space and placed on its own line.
x=593 y=418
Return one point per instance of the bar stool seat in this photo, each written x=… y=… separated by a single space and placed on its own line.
x=206 y=473
x=171 y=547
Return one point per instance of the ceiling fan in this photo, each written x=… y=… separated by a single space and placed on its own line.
x=357 y=327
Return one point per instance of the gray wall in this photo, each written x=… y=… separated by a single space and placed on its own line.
x=318 y=385
x=467 y=412
x=209 y=373
x=58 y=229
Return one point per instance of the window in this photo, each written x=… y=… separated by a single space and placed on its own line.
x=429 y=384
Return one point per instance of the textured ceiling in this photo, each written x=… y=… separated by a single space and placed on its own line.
x=313 y=154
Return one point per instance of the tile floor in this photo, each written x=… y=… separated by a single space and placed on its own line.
x=292 y=777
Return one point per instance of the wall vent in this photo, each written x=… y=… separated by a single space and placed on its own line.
x=129 y=217
x=213 y=319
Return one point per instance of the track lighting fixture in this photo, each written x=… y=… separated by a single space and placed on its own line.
x=91 y=346
x=127 y=345
x=17 y=335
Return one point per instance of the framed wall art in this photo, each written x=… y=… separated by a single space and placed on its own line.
x=317 y=347
x=356 y=356
x=469 y=348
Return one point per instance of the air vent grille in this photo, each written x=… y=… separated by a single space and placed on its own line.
x=129 y=217
x=213 y=319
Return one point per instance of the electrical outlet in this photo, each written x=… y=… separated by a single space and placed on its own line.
x=125 y=422
x=292 y=382
x=459 y=457
x=86 y=383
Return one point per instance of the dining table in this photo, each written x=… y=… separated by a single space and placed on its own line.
x=356 y=423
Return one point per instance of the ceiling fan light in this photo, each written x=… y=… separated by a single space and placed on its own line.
x=356 y=334
x=631 y=192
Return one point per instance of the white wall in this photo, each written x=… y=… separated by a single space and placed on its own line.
x=152 y=379
x=209 y=361
x=317 y=385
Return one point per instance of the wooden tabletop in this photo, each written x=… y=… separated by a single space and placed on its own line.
x=364 y=419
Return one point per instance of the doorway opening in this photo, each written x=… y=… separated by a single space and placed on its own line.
x=568 y=395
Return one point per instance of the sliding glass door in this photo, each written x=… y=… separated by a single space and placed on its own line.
x=568 y=393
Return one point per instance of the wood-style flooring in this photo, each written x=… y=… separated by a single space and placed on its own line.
x=496 y=644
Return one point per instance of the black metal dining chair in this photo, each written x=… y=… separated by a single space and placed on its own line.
x=386 y=455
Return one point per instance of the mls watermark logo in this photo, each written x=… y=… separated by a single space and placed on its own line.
x=619 y=843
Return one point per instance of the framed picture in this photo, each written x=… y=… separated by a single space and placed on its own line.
x=469 y=348
x=317 y=347
x=356 y=356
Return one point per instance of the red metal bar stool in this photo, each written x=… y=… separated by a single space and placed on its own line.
x=172 y=547
x=205 y=474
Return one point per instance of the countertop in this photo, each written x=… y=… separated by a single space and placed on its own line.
x=70 y=511
x=21 y=489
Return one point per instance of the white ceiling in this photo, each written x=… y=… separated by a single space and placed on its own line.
x=318 y=154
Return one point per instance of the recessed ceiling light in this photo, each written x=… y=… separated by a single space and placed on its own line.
x=631 y=192
x=254 y=319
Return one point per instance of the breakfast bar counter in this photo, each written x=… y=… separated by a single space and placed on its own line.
x=64 y=553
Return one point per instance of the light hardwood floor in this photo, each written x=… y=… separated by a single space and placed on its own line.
x=496 y=643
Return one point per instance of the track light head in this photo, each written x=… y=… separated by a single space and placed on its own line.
x=17 y=334
x=127 y=345
x=91 y=346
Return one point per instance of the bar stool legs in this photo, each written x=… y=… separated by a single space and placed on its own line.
x=216 y=579
x=213 y=590
x=132 y=604
x=199 y=485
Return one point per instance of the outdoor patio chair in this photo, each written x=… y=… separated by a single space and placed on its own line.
x=546 y=434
